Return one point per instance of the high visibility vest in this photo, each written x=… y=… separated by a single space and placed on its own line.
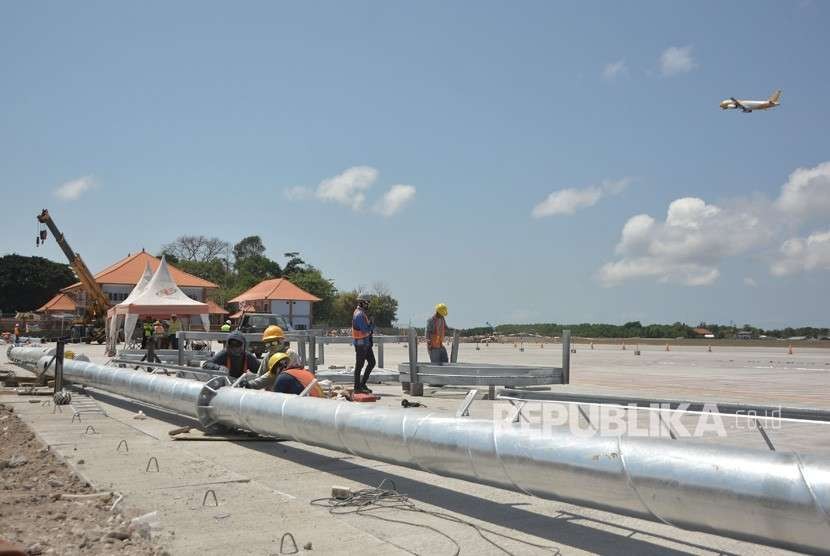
x=225 y=328
x=306 y=377
x=359 y=334
x=439 y=328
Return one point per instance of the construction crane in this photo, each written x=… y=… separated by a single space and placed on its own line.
x=97 y=301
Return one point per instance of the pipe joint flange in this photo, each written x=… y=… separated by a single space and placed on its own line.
x=203 y=407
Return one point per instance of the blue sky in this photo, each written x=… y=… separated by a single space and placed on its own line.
x=295 y=121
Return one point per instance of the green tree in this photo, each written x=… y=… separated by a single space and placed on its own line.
x=255 y=268
x=312 y=280
x=26 y=283
x=248 y=247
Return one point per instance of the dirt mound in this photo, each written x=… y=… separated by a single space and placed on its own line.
x=43 y=508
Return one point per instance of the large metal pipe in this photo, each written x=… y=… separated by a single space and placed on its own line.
x=773 y=498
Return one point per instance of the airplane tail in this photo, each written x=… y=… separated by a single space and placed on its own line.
x=775 y=97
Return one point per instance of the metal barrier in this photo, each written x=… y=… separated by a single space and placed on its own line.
x=301 y=338
x=321 y=341
x=414 y=374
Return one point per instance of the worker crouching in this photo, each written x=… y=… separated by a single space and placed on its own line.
x=285 y=375
x=235 y=357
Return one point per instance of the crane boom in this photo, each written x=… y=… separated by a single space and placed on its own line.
x=97 y=299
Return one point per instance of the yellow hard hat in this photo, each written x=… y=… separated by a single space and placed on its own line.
x=273 y=333
x=274 y=359
x=441 y=309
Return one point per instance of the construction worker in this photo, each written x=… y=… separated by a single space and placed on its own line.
x=291 y=380
x=226 y=327
x=16 y=332
x=362 y=331
x=436 y=331
x=274 y=340
x=174 y=327
x=158 y=333
x=147 y=332
x=235 y=358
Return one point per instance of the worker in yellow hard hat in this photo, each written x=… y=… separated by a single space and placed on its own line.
x=436 y=331
x=284 y=378
x=274 y=339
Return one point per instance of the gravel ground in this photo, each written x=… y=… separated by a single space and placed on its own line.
x=35 y=516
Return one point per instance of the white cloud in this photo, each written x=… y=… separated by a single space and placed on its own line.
x=348 y=188
x=569 y=200
x=749 y=281
x=676 y=60
x=695 y=237
x=73 y=189
x=807 y=192
x=614 y=69
x=799 y=255
x=687 y=246
x=394 y=199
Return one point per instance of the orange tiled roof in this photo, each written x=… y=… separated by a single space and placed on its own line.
x=275 y=289
x=61 y=302
x=130 y=269
x=215 y=309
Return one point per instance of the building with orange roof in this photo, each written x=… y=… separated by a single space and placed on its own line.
x=119 y=279
x=279 y=296
x=60 y=303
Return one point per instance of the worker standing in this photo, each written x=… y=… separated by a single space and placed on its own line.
x=147 y=333
x=174 y=327
x=16 y=333
x=158 y=333
x=362 y=331
x=226 y=327
x=436 y=331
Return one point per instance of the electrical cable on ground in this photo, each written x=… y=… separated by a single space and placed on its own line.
x=368 y=500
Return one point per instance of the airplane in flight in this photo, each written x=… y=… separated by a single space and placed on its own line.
x=749 y=105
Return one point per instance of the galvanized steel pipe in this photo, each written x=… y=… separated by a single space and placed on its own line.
x=773 y=498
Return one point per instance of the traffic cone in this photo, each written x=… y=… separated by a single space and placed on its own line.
x=790 y=350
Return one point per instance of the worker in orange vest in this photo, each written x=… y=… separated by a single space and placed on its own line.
x=436 y=331
x=291 y=380
x=362 y=331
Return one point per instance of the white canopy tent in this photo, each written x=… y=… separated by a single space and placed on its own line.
x=158 y=297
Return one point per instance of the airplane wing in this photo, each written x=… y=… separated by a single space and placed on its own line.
x=739 y=105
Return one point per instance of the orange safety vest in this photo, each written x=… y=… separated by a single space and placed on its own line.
x=306 y=377
x=244 y=362
x=438 y=332
x=359 y=334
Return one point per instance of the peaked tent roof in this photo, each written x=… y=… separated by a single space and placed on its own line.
x=130 y=269
x=145 y=279
x=162 y=296
x=61 y=302
x=275 y=289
